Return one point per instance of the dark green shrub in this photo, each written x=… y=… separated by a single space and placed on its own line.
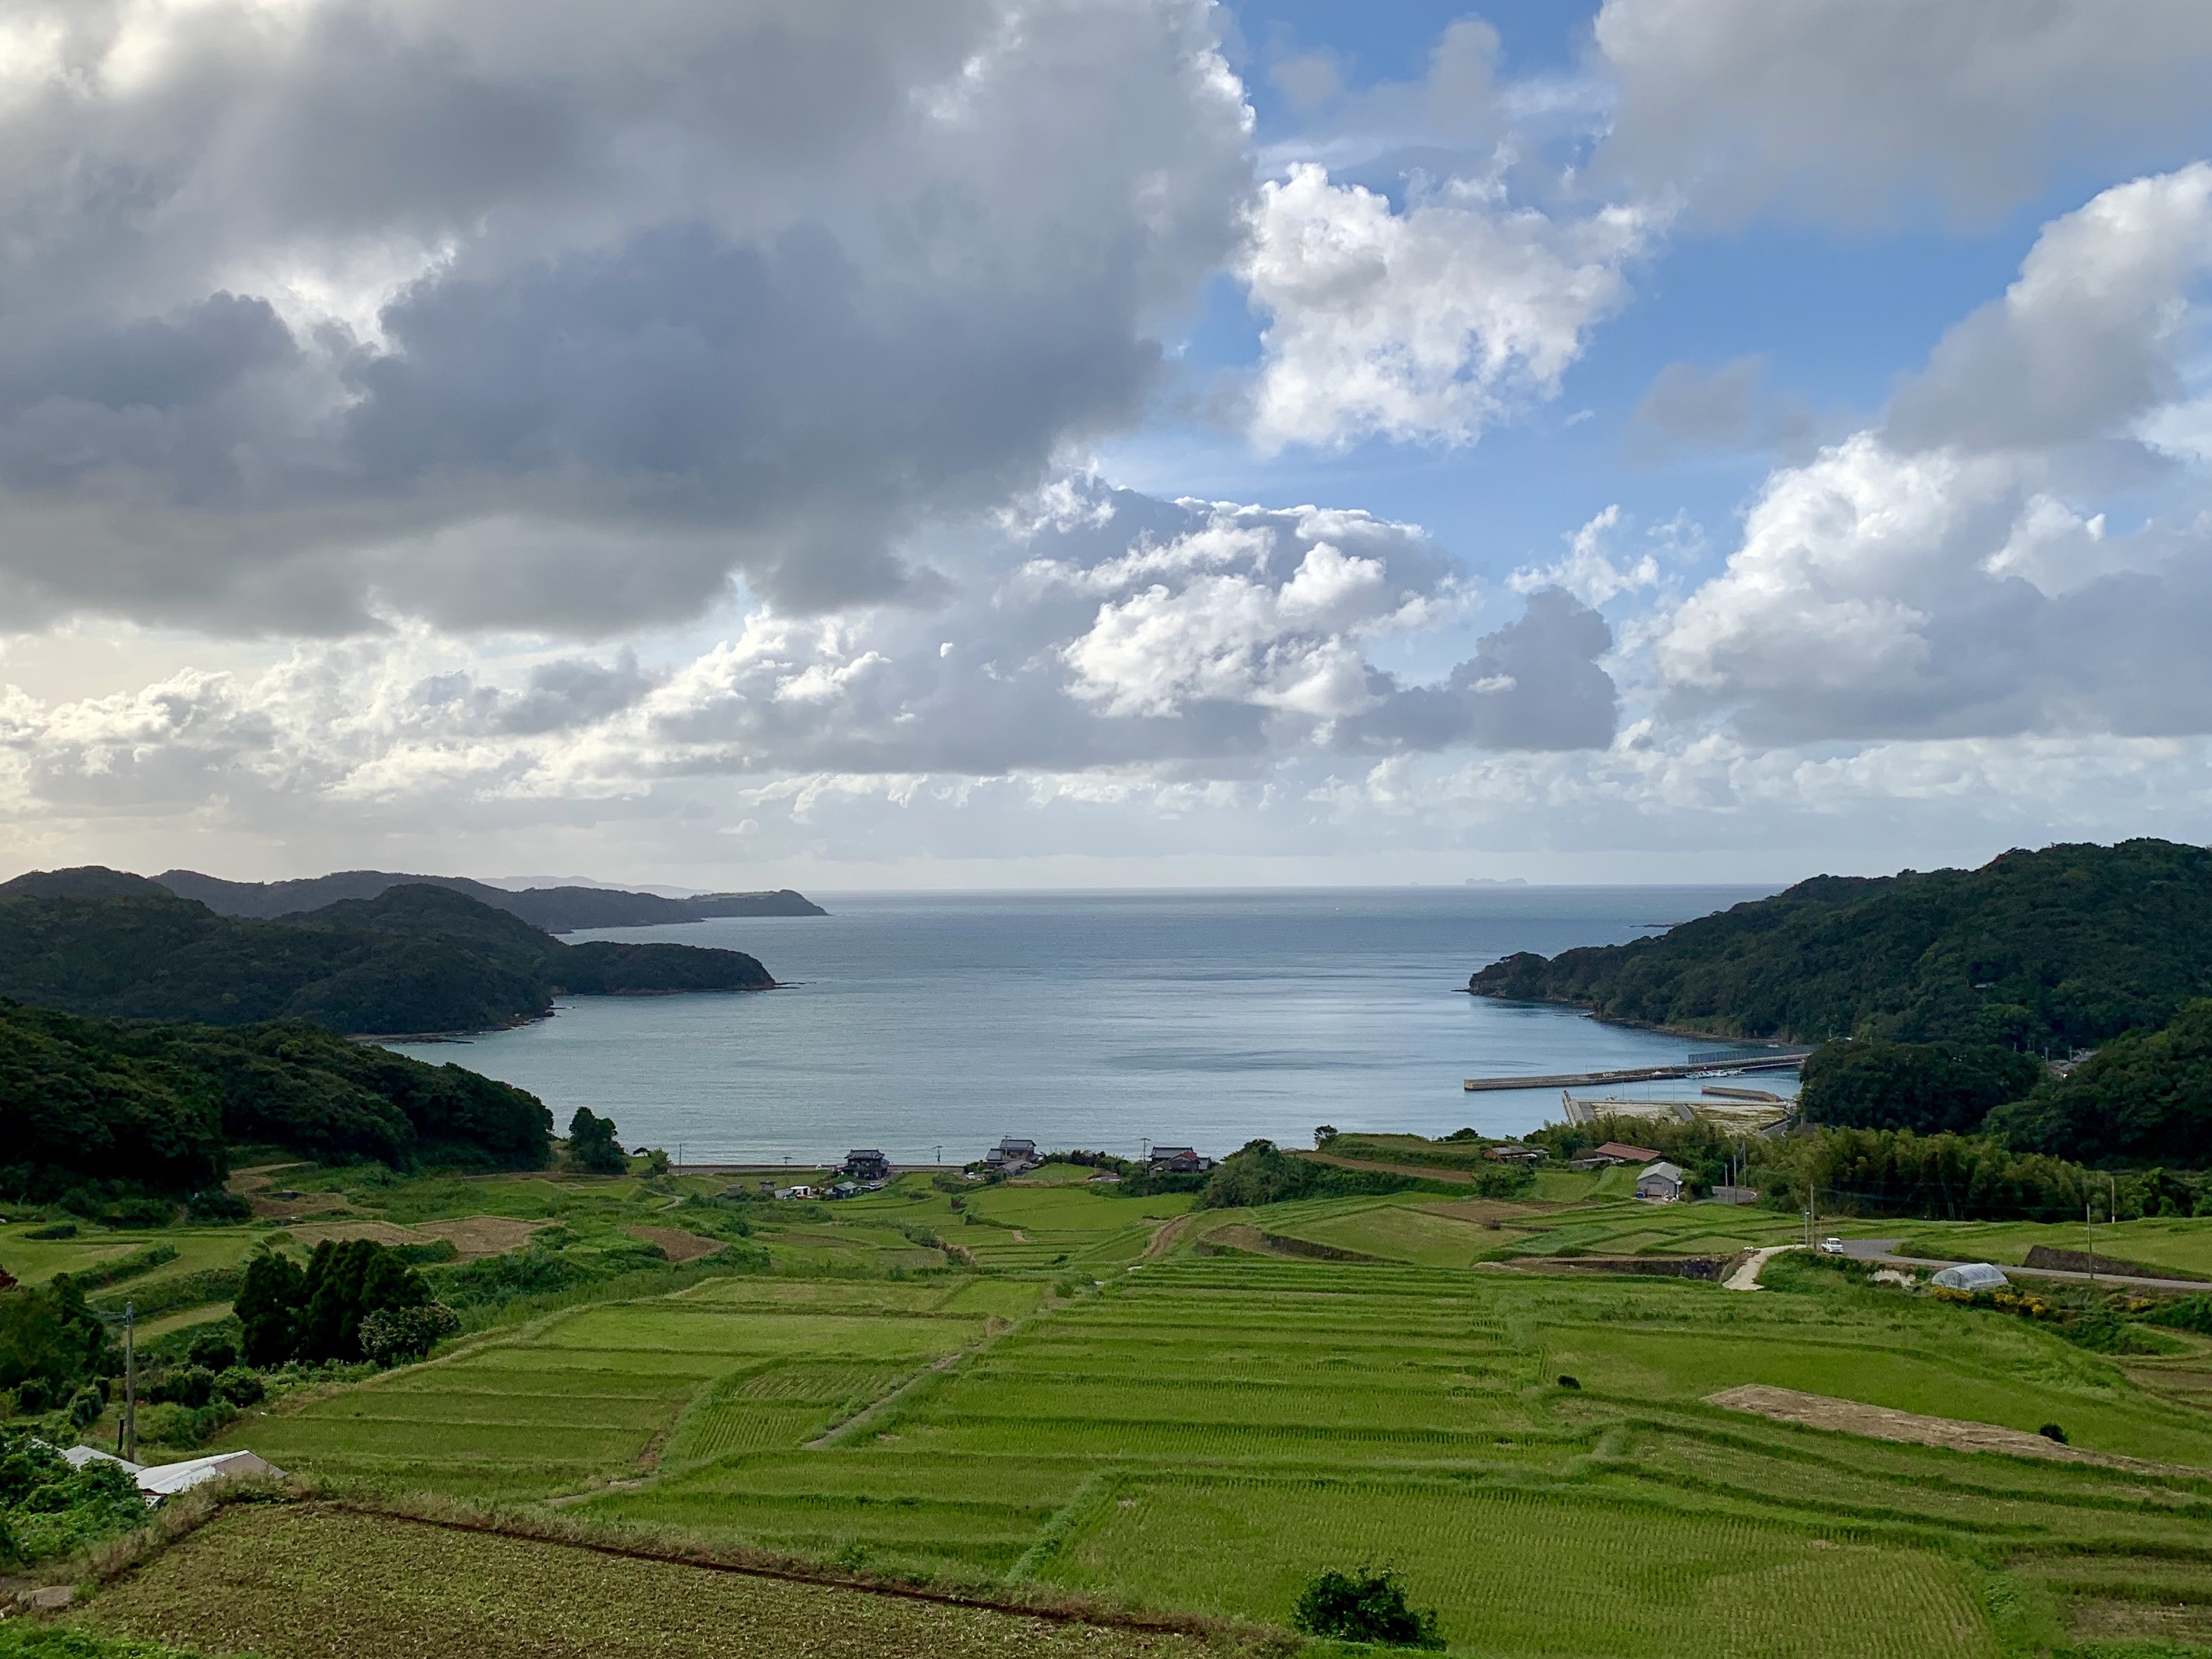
x=391 y=1336
x=48 y=1509
x=2052 y=1431
x=85 y=1406
x=240 y=1388
x=2187 y=1313
x=212 y=1203
x=214 y=1350
x=1366 y=1605
x=50 y=1335
x=59 y=1230
x=187 y=1385
x=1258 y=1173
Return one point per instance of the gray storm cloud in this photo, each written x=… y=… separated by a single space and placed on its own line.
x=557 y=316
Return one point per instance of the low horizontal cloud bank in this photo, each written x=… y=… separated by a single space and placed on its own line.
x=555 y=317
x=1091 y=630
x=1956 y=571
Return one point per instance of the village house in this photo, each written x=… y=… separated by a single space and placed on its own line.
x=1012 y=1155
x=1512 y=1152
x=1178 y=1160
x=1661 y=1182
x=1614 y=1152
x=865 y=1163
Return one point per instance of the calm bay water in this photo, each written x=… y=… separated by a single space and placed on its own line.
x=937 y=1023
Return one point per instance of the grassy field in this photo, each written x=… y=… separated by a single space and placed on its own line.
x=1185 y=1423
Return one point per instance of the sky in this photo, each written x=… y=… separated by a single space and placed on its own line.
x=852 y=444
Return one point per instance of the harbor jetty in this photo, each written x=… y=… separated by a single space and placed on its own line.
x=1778 y=1061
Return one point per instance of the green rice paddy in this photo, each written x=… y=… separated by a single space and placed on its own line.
x=1180 y=1422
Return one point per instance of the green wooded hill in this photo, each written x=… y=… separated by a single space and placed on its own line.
x=158 y=1105
x=412 y=960
x=2070 y=945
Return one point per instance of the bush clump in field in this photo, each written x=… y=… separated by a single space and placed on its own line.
x=592 y=1143
x=1260 y=1173
x=1366 y=1605
x=48 y=1509
x=315 y=1316
x=50 y=1343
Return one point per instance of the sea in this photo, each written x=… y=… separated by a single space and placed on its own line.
x=930 y=1025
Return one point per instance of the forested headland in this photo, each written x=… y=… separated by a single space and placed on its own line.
x=1950 y=1003
x=2035 y=951
x=412 y=960
x=158 y=1106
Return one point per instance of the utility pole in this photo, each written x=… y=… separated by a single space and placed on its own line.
x=129 y=1383
x=2092 y=1237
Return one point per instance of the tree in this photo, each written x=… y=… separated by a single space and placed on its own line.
x=592 y=1143
x=268 y=1307
x=1367 y=1605
x=316 y=1316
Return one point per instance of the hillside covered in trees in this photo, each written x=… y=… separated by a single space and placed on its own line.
x=157 y=1106
x=412 y=960
x=2035 y=951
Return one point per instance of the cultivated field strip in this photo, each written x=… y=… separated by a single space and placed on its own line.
x=298 y=1583
x=1204 y=1432
x=1731 y=1586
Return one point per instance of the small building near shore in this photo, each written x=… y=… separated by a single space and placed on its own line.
x=866 y=1164
x=1178 y=1160
x=1512 y=1152
x=1661 y=1182
x=1012 y=1155
x=1614 y=1152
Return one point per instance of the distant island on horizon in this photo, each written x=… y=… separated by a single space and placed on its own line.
x=565 y=909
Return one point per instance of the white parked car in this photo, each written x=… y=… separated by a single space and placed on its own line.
x=1831 y=1245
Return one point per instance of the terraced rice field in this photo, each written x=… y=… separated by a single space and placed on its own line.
x=1202 y=1432
x=591 y=1394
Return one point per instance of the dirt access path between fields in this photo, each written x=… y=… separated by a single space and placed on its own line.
x=1746 y=1277
x=1820 y=1411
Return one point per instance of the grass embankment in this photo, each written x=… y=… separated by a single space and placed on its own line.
x=1200 y=1433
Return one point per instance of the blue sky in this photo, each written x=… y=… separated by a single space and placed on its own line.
x=1103 y=442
